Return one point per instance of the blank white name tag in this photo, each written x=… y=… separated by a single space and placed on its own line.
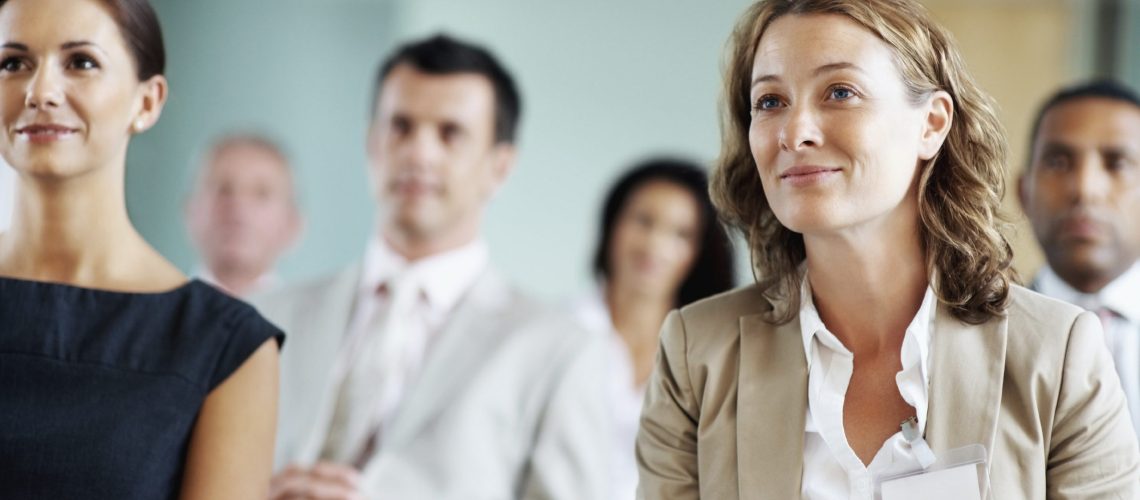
x=955 y=483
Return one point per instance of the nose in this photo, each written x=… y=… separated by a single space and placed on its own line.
x=421 y=148
x=800 y=129
x=1091 y=181
x=44 y=89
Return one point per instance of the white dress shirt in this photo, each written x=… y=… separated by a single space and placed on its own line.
x=442 y=281
x=625 y=399
x=831 y=469
x=1122 y=326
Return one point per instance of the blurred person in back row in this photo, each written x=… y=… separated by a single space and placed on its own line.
x=660 y=247
x=1081 y=192
x=420 y=372
x=242 y=214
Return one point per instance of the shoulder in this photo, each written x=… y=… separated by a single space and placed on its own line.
x=286 y=305
x=706 y=335
x=239 y=331
x=307 y=290
x=717 y=319
x=1049 y=340
x=726 y=307
x=1042 y=324
x=521 y=319
x=1032 y=310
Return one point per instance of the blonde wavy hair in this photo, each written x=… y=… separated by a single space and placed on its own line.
x=959 y=190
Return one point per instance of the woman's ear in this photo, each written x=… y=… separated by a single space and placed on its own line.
x=153 y=94
x=939 y=118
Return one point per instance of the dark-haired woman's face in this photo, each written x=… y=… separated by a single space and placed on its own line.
x=69 y=94
x=655 y=239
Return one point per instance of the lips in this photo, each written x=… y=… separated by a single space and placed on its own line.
x=45 y=132
x=1080 y=228
x=807 y=175
x=799 y=171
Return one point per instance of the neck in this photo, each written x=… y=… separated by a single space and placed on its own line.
x=238 y=280
x=74 y=230
x=413 y=246
x=868 y=289
x=1091 y=282
x=636 y=316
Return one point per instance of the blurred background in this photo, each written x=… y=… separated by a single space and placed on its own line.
x=604 y=84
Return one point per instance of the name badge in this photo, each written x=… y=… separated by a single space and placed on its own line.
x=958 y=474
x=955 y=483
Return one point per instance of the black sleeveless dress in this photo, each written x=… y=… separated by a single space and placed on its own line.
x=99 y=390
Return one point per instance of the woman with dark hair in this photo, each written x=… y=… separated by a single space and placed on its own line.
x=885 y=350
x=119 y=378
x=660 y=247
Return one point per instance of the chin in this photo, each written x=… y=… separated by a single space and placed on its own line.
x=49 y=166
x=803 y=223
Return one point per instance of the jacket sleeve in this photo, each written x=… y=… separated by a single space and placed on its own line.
x=1093 y=449
x=569 y=458
x=667 y=438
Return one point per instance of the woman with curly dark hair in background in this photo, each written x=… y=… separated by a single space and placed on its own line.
x=660 y=247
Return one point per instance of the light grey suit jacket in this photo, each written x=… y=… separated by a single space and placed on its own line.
x=509 y=403
x=725 y=408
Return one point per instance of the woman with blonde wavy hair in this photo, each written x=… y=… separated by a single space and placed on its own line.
x=885 y=335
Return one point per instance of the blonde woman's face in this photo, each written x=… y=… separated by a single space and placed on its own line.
x=835 y=137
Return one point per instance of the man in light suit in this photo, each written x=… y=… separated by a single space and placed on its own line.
x=1081 y=192
x=419 y=373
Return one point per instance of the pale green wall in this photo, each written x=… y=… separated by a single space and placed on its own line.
x=1130 y=44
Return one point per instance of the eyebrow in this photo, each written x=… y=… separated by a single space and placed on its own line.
x=826 y=68
x=77 y=44
x=1055 y=146
x=65 y=46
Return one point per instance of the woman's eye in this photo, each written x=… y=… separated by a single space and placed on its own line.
x=841 y=93
x=83 y=63
x=11 y=64
x=767 y=102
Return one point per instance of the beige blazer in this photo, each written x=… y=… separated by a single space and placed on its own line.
x=725 y=408
x=506 y=406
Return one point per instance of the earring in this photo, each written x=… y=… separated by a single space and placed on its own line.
x=138 y=126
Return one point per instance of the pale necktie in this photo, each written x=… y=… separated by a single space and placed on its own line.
x=370 y=389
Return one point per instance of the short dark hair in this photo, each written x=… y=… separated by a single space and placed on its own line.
x=139 y=27
x=712 y=270
x=1105 y=89
x=443 y=55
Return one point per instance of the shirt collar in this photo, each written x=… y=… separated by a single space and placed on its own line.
x=1122 y=295
x=916 y=341
x=444 y=277
x=914 y=378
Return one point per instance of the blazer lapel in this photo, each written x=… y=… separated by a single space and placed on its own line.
x=967 y=369
x=468 y=339
x=327 y=331
x=771 y=399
